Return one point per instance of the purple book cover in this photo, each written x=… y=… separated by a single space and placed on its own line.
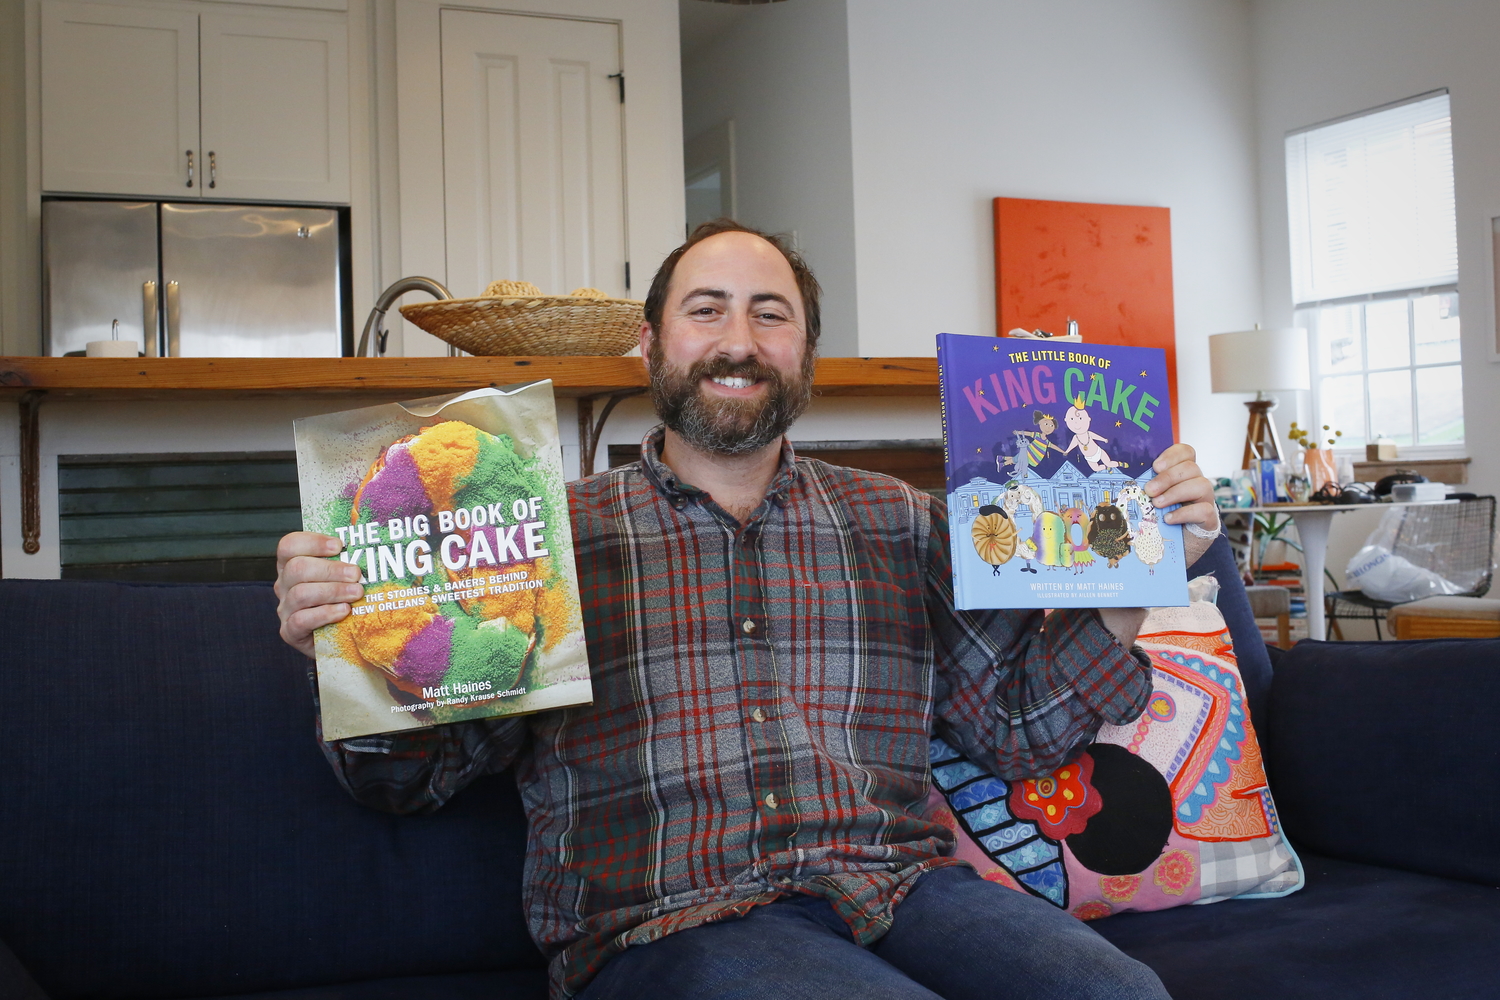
x=1048 y=447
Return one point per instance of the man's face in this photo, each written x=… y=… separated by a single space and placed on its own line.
x=730 y=369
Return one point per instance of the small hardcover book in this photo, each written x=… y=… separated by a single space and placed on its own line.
x=1047 y=450
x=455 y=511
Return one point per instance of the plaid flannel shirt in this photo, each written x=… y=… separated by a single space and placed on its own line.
x=763 y=698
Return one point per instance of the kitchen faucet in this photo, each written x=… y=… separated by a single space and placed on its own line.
x=376 y=320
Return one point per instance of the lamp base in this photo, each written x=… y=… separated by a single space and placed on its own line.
x=1260 y=436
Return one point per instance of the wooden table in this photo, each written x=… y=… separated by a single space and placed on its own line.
x=1313 y=521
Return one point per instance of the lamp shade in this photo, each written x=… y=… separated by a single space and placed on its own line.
x=1259 y=360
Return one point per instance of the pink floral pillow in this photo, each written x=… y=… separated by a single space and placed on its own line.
x=1170 y=809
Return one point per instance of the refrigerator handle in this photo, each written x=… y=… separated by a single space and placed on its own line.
x=174 y=320
x=151 y=340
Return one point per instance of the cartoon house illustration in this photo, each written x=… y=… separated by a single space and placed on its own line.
x=964 y=504
x=1068 y=487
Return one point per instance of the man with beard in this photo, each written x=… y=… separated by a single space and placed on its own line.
x=772 y=642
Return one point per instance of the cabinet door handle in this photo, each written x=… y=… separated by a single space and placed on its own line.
x=213 y=170
x=174 y=320
x=190 y=168
x=148 y=319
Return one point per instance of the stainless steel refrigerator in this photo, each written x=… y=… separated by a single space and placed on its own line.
x=193 y=280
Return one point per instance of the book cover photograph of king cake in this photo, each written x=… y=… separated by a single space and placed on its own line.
x=456 y=513
x=1048 y=449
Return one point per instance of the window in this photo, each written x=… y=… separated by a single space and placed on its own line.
x=1375 y=272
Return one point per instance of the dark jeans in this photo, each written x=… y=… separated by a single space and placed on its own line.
x=955 y=936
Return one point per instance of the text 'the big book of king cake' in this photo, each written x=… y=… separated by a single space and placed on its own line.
x=455 y=511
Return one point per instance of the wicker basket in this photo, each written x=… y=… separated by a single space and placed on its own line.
x=513 y=318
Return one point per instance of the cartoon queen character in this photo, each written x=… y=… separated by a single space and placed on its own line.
x=1031 y=446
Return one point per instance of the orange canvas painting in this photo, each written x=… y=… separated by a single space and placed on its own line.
x=1109 y=267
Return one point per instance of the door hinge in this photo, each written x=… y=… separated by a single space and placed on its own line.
x=621 y=77
x=627 y=275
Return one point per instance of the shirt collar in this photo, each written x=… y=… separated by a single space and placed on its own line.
x=678 y=492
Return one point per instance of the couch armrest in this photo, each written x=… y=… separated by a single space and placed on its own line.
x=1234 y=604
x=1385 y=753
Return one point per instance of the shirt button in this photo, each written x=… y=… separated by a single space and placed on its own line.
x=758 y=715
x=747 y=626
x=771 y=801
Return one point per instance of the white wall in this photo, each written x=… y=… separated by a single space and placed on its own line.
x=1145 y=103
x=781 y=72
x=20 y=177
x=1316 y=61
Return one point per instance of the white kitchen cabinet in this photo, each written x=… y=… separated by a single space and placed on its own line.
x=185 y=104
x=119 y=99
x=275 y=99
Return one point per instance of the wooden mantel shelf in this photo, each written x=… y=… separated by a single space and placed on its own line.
x=397 y=378
x=30 y=380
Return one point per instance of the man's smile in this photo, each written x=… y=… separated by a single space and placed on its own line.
x=734 y=381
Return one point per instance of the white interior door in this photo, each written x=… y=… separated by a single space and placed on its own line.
x=275 y=108
x=119 y=99
x=533 y=172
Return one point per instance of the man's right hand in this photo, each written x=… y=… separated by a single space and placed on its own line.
x=313 y=589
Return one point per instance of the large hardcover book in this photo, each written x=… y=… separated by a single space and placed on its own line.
x=456 y=513
x=1048 y=449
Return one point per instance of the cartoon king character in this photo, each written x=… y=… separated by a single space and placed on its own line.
x=1086 y=441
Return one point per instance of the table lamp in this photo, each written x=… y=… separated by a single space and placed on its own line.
x=1259 y=361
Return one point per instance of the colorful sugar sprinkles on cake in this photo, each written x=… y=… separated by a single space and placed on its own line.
x=461 y=535
x=1048 y=451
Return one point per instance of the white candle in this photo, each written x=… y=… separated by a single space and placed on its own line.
x=112 y=349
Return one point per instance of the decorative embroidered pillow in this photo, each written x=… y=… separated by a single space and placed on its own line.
x=1170 y=809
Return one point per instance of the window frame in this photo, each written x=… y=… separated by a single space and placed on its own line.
x=1300 y=256
x=1411 y=450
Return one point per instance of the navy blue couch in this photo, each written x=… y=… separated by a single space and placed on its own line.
x=169 y=829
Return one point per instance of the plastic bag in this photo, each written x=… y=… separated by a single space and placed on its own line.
x=1204 y=588
x=1386 y=576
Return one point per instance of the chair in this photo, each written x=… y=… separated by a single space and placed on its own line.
x=1273 y=602
x=1456 y=539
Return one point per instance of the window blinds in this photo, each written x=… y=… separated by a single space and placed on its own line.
x=1370 y=200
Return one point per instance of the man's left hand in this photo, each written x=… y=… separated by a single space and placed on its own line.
x=1180 y=481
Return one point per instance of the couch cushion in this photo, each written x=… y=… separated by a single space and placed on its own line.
x=1380 y=753
x=171 y=828
x=1353 y=931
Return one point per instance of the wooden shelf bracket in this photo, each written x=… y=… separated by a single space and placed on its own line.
x=590 y=430
x=31 y=471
